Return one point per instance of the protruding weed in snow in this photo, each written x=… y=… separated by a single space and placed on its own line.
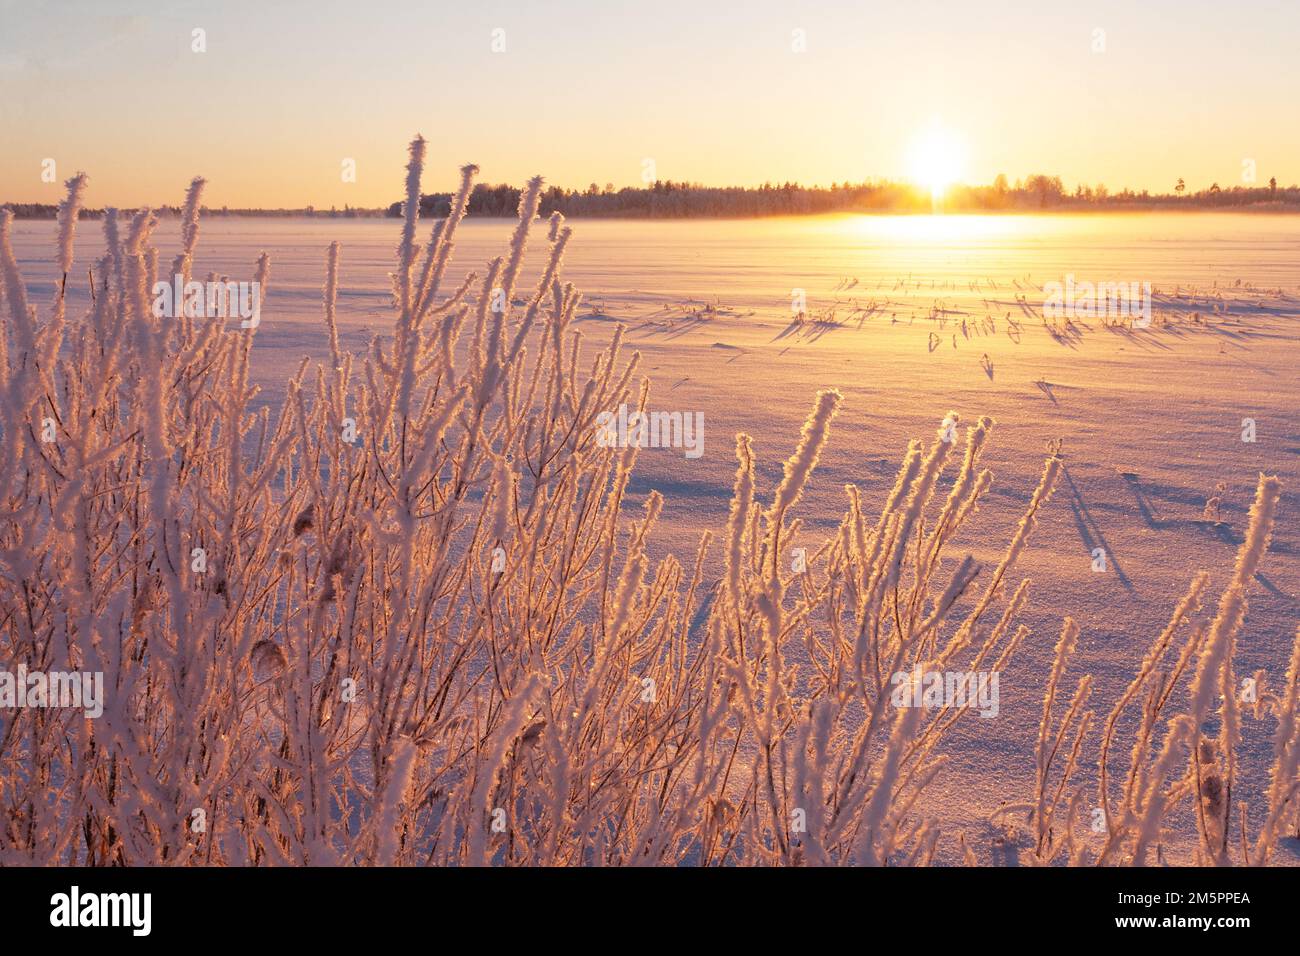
x=69 y=210
x=948 y=428
x=1105 y=300
x=1213 y=510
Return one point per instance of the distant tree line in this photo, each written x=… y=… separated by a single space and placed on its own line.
x=666 y=199
x=34 y=210
x=672 y=200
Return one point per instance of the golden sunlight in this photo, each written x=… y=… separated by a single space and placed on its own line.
x=936 y=159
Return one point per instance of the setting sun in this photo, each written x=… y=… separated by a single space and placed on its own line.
x=936 y=159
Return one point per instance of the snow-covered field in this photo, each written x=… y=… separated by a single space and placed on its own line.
x=911 y=317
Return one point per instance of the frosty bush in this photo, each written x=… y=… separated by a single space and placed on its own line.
x=412 y=617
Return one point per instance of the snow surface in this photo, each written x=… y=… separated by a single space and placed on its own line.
x=1150 y=420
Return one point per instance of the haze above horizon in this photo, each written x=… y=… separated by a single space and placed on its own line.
x=280 y=102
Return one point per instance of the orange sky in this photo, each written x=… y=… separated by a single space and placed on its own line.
x=721 y=93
